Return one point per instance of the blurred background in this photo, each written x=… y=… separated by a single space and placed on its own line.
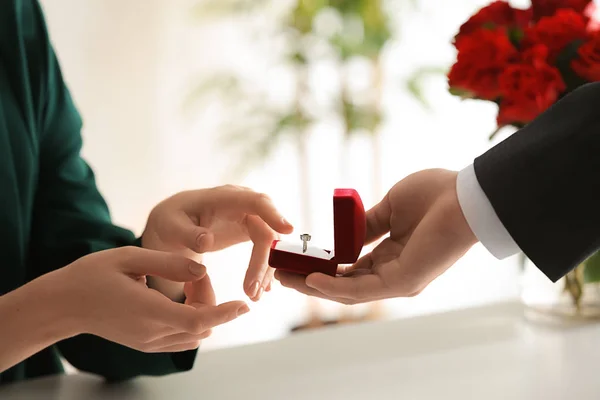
x=290 y=97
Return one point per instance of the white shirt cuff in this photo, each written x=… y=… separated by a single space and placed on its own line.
x=481 y=217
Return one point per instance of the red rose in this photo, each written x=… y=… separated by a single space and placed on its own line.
x=556 y=32
x=497 y=14
x=547 y=8
x=587 y=65
x=528 y=88
x=482 y=56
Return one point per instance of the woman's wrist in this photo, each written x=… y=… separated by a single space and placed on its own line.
x=53 y=307
x=39 y=317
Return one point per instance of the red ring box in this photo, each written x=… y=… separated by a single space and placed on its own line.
x=349 y=225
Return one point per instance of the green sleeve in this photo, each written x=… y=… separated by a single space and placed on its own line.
x=71 y=219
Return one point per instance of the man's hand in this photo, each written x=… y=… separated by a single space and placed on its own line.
x=200 y=221
x=428 y=234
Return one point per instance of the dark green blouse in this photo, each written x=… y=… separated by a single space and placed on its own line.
x=51 y=212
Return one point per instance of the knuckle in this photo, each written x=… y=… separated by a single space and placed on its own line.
x=198 y=326
x=128 y=254
x=263 y=198
x=167 y=261
x=129 y=251
x=227 y=317
x=205 y=334
x=415 y=290
x=148 y=337
x=144 y=347
x=228 y=187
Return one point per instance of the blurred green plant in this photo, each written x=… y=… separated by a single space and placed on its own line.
x=254 y=126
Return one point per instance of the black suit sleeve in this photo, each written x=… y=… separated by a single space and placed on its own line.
x=544 y=183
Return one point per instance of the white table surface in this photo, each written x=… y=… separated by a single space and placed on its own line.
x=481 y=353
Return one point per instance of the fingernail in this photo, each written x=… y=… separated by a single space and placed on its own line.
x=268 y=289
x=197 y=269
x=285 y=222
x=260 y=293
x=199 y=239
x=254 y=289
x=243 y=310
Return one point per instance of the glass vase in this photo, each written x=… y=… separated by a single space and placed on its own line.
x=568 y=301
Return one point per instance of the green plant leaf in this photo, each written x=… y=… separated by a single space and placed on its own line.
x=414 y=83
x=591 y=272
x=464 y=94
x=360 y=117
x=253 y=127
x=515 y=36
x=304 y=14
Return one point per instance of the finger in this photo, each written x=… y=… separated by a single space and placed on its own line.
x=363 y=263
x=290 y=280
x=357 y=272
x=201 y=292
x=360 y=288
x=208 y=317
x=257 y=279
x=181 y=230
x=246 y=201
x=378 y=220
x=385 y=251
x=266 y=283
x=297 y=282
x=175 y=316
x=138 y=262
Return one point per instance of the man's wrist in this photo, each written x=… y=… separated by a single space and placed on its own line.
x=481 y=216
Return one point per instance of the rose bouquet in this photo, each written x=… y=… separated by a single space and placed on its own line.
x=524 y=60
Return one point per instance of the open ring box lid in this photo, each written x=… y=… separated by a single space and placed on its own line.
x=349 y=225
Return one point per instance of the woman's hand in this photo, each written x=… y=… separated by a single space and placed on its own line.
x=200 y=221
x=105 y=294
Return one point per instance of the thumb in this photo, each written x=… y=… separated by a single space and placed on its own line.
x=378 y=220
x=212 y=316
x=140 y=262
